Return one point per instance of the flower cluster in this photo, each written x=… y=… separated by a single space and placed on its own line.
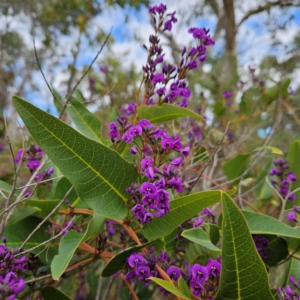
x=152 y=146
x=11 y=284
x=262 y=245
x=292 y=216
x=203 y=280
x=288 y=293
x=169 y=83
x=33 y=156
x=284 y=179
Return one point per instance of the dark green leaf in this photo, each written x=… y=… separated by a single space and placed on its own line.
x=51 y=293
x=98 y=173
x=213 y=232
x=22 y=213
x=236 y=166
x=243 y=274
x=181 y=209
x=165 y=113
x=44 y=207
x=277 y=251
x=294 y=163
x=19 y=231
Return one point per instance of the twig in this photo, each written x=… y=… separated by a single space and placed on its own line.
x=48 y=241
x=45 y=219
x=210 y=159
x=99 y=284
x=42 y=181
x=83 y=75
x=281 y=198
x=108 y=287
x=40 y=68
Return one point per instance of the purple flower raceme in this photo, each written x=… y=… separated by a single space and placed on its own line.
x=202 y=279
x=262 y=245
x=284 y=179
x=289 y=292
x=11 y=284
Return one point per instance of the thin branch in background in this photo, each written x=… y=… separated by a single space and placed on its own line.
x=46 y=242
x=108 y=288
x=44 y=220
x=240 y=193
x=42 y=181
x=210 y=159
x=83 y=75
x=40 y=68
x=99 y=286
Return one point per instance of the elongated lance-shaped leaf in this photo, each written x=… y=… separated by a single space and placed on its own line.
x=165 y=113
x=263 y=224
x=181 y=209
x=70 y=242
x=243 y=274
x=51 y=293
x=87 y=123
x=98 y=173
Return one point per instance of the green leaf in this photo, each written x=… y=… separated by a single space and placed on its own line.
x=166 y=112
x=274 y=150
x=243 y=274
x=62 y=188
x=184 y=288
x=294 y=163
x=277 y=250
x=263 y=224
x=19 y=231
x=236 y=166
x=262 y=188
x=58 y=100
x=98 y=173
x=70 y=242
x=87 y=123
x=44 y=207
x=213 y=232
x=199 y=236
x=118 y=262
x=293 y=270
x=169 y=287
x=5 y=187
x=51 y=293
x=181 y=209
x=22 y=213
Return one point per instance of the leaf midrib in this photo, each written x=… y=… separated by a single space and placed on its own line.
x=71 y=150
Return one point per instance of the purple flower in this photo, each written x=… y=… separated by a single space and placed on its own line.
x=133 y=150
x=130 y=276
x=161 y=91
x=145 y=124
x=199 y=273
x=289 y=291
x=176 y=162
x=168 y=25
x=192 y=65
x=113 y=126
x=198 y=222
x=176 y=183
x=185 y=151
x=127 y=138
x=158 y=78
x=150 y=201
x=162 y=196
x=214 y=268
x=208 y=212
x=146 y=163
x=291 y=177
x=227 y=94
x=149 y=173
x=167 y=143
x=174 y=273
x=143 y=272
x=33 y=165
x=19 y=155
x=291 y=217
x=135 y=130
x=296 y=209
x=135 y=260
x=114 y=135
x=139 y=211
x=196 y=288
x=148 y=188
